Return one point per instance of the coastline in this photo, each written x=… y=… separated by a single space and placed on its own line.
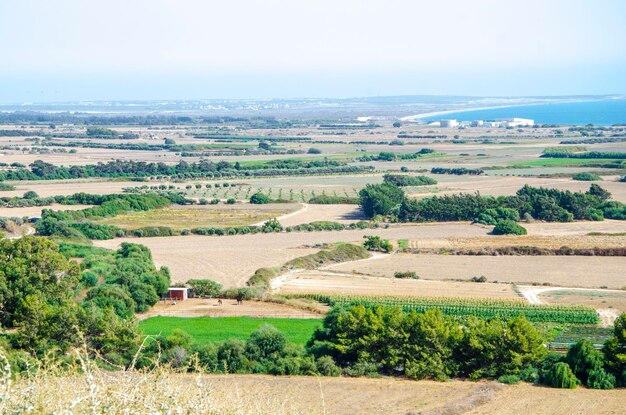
x=418 y=117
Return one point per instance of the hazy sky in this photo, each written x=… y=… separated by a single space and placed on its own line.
x=57 y=50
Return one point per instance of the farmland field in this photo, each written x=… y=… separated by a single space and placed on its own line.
x=333 y=283
x=573 y=271
x=231 y=260
x=208 y=329
x=187 y=217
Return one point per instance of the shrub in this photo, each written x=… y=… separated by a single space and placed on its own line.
x=259 y=199
x=508 y=227
x=561 y=376
x=314 y=150
x=586 y=177
x=482 y=278
x=406 y=274
x=509 y=379
x=405 y=180
x=326 y=366
x=375 y=243
x=89 y=279
x=231 y=201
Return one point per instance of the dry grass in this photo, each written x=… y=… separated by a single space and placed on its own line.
x=197 y=216
x=596 y=299
x=164 y=391
x=332 y=283
x=567 y=271
x=335 y=213
x=30 y=211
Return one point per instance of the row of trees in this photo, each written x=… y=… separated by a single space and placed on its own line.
x=41 y=170
x=389 y=341
x=550 y=205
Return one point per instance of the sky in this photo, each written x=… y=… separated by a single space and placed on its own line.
x=68 y=50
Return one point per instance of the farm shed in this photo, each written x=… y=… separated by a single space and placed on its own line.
x=177 y=293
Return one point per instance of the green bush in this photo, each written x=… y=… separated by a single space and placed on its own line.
x=380 y=199
x=586 y=177
x=259 y=199
x=375 y=243
x=405 y=180
x=561 y=376
x=508 y=227
x=406 y=274
x=509 y=379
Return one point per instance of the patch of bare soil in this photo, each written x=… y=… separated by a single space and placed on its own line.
x=203 y=307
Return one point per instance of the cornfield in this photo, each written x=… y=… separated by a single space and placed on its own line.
x=482 y=308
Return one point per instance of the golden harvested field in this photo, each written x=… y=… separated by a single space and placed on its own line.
x=36 y=210
x=45 y=188
x=120 y=392
x=208 y=307
x=553 y=242
x=336 y=213
x=196 y=216
x=332 y=283
x=231 y=260
x=574 y=228
x=567 y=271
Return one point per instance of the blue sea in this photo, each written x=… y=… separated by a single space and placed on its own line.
x=607 y=112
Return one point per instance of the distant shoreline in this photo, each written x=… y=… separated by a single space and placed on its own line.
x=421 y=116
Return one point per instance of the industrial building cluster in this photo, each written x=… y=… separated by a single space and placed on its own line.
x=500 y=122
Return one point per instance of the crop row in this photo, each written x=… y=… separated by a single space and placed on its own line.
x=482 y=308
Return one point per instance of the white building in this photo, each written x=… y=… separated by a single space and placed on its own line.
x=448 y=123
x=516 y=122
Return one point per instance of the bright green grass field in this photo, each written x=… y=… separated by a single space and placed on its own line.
x=219 y=329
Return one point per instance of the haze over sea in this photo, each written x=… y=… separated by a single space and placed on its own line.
x=606 y=112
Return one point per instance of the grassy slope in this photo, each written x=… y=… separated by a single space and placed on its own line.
x=208 y=329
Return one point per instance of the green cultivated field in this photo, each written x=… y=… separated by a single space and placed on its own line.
x=218 y=329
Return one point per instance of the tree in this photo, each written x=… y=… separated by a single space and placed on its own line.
x=375 y=243
x=599 y=192
x=314 y=150
x=33 y=266
x=615 y=351
x=380 y=199
x=397 y=124
x=561 y=376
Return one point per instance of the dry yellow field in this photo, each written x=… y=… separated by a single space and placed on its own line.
x=195 y=216
x=324 y=282
x=31 y=211
x=120 y=392
x=231 y=260
x=567 y=271
x=335 y=213
x=615 y=301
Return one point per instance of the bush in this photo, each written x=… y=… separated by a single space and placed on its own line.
x=89 y=279
x=405 y=180
x=375 y=243
x=406 y=274
x=586 y=177
x=326 y=366
x=561 y=376
x=231 y=201
x=259 y=199
x=508 y=227
x=482 y=278
x=314 y=150
x=509 y=379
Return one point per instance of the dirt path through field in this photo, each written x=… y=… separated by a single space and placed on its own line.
x=304 y=208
